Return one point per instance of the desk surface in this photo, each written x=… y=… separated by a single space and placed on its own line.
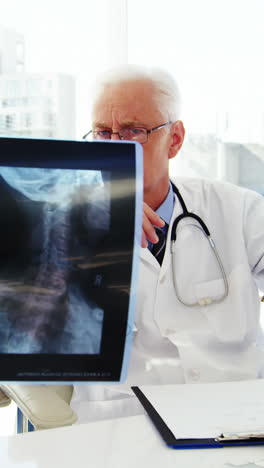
x=120 y=443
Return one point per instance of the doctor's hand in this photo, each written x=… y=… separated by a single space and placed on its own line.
x=150 y=220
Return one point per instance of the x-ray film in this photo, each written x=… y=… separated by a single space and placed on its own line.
x=70 y=229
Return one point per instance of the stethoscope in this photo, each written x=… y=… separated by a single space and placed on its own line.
x=202 y=226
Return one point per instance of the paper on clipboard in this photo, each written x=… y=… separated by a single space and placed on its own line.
x=209 y=410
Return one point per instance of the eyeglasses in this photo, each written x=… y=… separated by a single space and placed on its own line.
x=139 y=134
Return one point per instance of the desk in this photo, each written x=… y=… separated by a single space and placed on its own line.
x=120 y=443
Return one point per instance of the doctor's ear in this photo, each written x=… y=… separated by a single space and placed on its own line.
x=177 y=136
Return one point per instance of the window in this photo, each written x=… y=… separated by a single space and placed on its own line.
x=28 y=119
x=214 y=49
x=10 y=121
x=70 y=49
x=2 y=122
x=20 y=51
x=49 y=119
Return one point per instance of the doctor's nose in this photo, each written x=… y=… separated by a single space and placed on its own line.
x=115 y=136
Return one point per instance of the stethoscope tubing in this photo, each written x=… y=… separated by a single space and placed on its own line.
x=186 y=214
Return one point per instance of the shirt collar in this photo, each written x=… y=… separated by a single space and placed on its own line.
x=165 y=210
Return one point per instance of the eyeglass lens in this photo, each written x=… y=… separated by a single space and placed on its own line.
x=137 y=134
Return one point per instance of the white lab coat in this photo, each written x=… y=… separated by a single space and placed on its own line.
x=174 y=343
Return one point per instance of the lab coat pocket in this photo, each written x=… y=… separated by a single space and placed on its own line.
x=225 y=323
x=209 y=291
x=235 y=319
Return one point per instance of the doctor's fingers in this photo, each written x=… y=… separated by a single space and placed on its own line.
x=150 y=219
x=153 y=218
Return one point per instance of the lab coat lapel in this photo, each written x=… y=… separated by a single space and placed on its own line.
x=147 y=257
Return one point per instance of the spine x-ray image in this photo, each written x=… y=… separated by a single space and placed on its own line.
x=51 y=223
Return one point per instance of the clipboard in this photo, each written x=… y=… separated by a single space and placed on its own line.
x=223 y=440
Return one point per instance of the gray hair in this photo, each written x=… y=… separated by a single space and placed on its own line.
x=166 y=88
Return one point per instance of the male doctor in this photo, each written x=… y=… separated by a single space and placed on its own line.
x=197 y=309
